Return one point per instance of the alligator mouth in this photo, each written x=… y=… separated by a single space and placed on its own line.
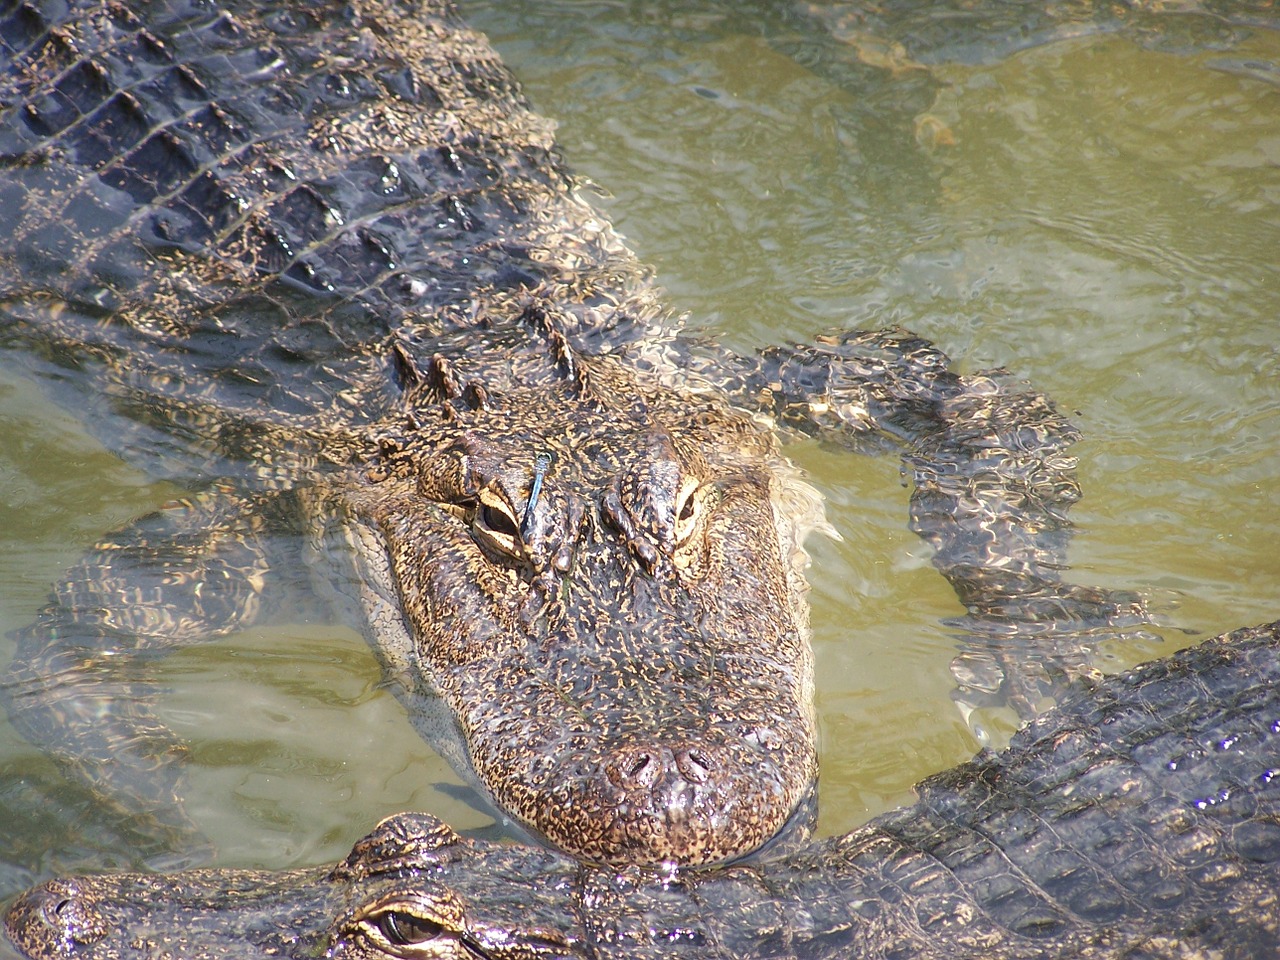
x=693 y=769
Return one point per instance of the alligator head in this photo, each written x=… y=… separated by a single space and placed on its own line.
x=411 y=888
x=602 y=579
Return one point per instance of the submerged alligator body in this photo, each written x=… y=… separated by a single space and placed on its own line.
x=1140 y=818
x=324 y=266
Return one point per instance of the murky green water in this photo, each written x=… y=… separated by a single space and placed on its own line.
x=1099 y=214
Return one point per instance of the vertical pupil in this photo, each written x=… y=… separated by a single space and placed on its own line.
x=498 y=522
x=404 y=928
x=686 y=509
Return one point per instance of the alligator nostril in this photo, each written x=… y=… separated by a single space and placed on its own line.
x=690 y=799
x=57 y=909
x=634 y=768
x=646 y=768
x=75 y=919
x=694 y=765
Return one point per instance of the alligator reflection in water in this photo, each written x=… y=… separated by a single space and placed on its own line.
x=1140 y=818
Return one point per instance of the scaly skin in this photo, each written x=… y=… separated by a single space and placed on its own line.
x=324 y=266
x=336 y=275
x=1140 y=818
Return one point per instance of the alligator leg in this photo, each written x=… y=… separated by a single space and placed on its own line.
x=81 y=685
x=992 y=487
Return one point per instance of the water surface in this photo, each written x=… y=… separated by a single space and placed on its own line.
x=1092 y=204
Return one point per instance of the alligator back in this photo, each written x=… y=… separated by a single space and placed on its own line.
x=228 y=218
x=284 y=241
x=1139 y=818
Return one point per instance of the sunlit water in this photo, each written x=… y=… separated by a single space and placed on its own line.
x=1099 y=214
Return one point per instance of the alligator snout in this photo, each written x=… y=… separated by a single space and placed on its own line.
x=688 y=803
x=56 y=920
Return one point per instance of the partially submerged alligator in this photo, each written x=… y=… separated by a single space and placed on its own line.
x=324 y=266
x=1140 y=818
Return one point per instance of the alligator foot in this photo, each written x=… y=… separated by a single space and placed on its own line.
x=992 y=486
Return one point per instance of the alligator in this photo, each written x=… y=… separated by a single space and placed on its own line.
x=1138 y=818
x=324 y=267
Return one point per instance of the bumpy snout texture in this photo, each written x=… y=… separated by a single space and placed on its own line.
x=55 y=920
x=694 y=762
x=692 y=803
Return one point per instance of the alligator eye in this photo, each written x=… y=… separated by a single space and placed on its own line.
x=687 y=509
x=403 y=929
x=495 y=524
x=421 y=924
x=498 y=521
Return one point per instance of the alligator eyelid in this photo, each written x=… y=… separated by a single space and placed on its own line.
x=473 y=946
x=455 y=509
x=687 y=507
x=498 y=521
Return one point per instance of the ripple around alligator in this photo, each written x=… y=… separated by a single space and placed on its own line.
x=1098 y=214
